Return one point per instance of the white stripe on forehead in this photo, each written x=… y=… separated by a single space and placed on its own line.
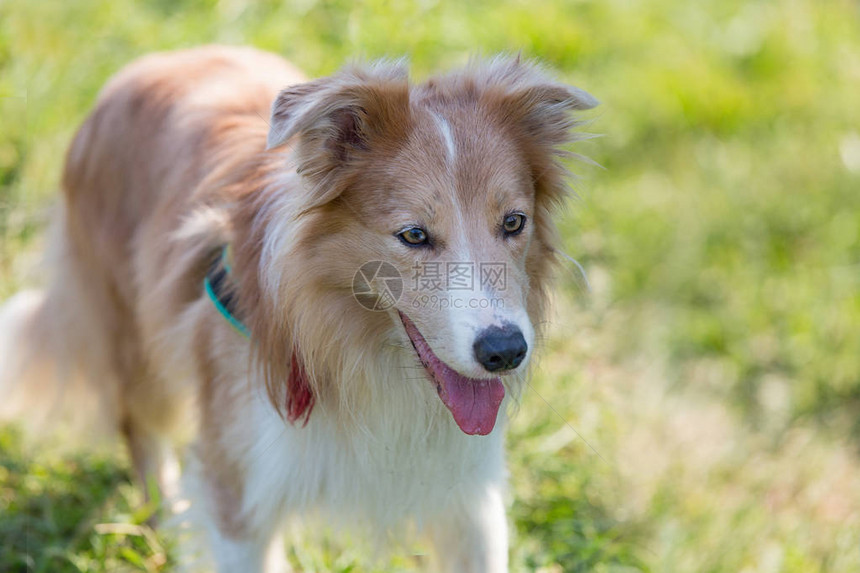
x=447 y=136
x=451 y=150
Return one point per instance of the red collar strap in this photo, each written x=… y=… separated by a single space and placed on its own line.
x=300 y=398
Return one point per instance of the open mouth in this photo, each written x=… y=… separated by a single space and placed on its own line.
x=474 y=402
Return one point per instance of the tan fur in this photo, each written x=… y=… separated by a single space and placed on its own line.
x=132 y=173
x=186 y=151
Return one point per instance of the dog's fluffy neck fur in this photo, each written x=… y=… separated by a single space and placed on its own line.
x=394 y=448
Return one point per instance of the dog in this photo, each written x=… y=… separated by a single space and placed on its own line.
x=335 y=284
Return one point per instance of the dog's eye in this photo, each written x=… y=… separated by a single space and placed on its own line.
x=513 y=224
x=413 y=236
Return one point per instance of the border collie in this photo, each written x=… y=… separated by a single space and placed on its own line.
x=336 y=284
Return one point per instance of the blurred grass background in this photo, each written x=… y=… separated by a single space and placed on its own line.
x=714 y=369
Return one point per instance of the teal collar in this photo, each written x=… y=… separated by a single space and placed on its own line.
x=299 y=400
x=220 y=291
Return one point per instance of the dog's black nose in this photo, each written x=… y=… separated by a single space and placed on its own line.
x=500 y=348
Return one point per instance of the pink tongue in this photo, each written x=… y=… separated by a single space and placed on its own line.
x=473 y=402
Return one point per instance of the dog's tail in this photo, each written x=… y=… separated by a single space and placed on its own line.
x=54 y=361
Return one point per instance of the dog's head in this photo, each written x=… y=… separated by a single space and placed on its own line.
x=422 y=224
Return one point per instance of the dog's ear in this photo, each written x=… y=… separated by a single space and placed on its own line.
x=339 y=119
x=540 y=114
x=524 y=92
x=545 y=110
x=291 y=110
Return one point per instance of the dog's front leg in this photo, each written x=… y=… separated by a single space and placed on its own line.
x=471 y=535
x=242 y=521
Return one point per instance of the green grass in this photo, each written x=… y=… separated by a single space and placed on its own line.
x=714 y=369
x=71 y=512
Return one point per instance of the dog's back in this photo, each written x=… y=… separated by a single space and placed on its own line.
x=159 y=128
